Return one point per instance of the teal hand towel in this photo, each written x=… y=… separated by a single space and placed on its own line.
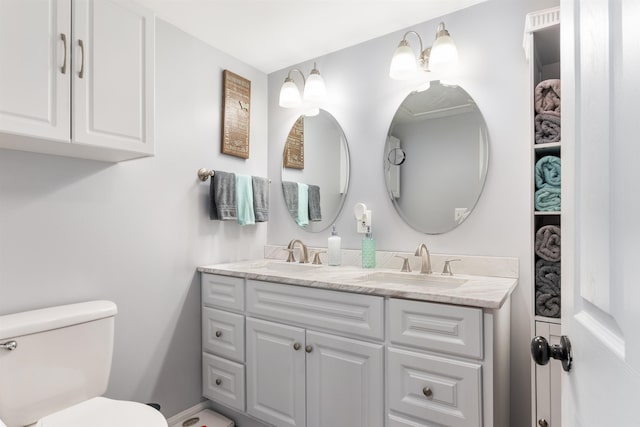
x=244 y=200
x=548 y=172
x=548 y=199
x=303 y=204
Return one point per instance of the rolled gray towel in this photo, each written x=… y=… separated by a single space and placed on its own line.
x=548 y=243
x=547 y=128
x=547 y=305
x=548 y=277
x=547 y=97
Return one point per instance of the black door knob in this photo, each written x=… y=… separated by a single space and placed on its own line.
x=541 y=351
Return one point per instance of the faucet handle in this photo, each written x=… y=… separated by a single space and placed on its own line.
x=291 y=257
x=447 y=266
x=405 y=264
x=316 y=257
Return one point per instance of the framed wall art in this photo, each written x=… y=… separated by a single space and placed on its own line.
x=294 y=151
x=236 y=113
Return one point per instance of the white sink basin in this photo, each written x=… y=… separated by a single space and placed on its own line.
x=286 y=267
x=415 y=279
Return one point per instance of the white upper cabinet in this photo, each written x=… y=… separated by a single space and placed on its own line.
x=35 y=87
x=113 y=75
x=77 y=78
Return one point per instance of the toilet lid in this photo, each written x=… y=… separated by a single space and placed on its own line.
x=103 y=412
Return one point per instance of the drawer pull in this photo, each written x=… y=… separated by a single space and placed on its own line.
x=308 y=349
x=427 y=392
x=218 y=334
x=296 y=346
x=218 y=381
x=81 y=72
x=63 y=69
x=543 y=423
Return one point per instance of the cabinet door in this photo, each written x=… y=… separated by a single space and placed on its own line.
x=113 y=75
x=344 y=382
x=34 y=83
x=275 y=373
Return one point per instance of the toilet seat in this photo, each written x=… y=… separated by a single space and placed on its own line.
x=103 y=412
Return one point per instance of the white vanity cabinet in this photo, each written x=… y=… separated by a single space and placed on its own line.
x=298 y=376
x=77 y=78
x=323 y=358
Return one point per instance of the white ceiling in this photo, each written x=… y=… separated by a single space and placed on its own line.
x=273 y=34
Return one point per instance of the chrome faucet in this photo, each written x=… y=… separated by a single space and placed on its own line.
x=304 y=257
x=423 y=252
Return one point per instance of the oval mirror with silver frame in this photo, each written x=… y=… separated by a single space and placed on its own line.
x=316 y=168
x=436 y=158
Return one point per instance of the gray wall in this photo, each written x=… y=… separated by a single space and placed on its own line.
x=364 y=100
x=74 y=230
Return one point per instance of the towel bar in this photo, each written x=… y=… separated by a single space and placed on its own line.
x=204 y=174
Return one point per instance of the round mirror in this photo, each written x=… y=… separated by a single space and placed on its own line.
x=436 y=158
x=315 y=171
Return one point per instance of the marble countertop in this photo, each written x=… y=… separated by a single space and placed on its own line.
x=460 y=289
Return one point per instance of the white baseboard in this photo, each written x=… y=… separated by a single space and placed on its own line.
x=188 y=413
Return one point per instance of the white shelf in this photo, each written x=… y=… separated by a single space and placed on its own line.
x=547 y=146
x=555 y=320
x=546 y=213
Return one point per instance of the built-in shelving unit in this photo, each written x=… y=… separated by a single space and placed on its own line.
x=542 y=49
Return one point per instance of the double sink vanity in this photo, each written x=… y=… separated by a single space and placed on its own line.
x=297 y=344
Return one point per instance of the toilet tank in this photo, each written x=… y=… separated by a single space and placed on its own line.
x=63 y=357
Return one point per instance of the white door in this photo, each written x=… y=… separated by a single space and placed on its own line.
x=276 y=373
x=344 y=382
x=113 y=75
x=601 y=211
x=35 y=95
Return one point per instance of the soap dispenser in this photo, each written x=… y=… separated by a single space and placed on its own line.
x=368 y=250
x=334 y=253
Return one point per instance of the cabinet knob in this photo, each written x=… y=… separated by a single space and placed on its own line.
x=427 y=392
x=543 y=423
x=218 y=334
x=308 y=349
x=296 y=346
x=218 y=381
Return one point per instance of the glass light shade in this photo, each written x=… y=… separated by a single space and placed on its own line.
x=443 y=53
x=403 y=64
x=289 y=94
x=315 y=90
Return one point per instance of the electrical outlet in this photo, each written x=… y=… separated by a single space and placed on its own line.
x=363 y=222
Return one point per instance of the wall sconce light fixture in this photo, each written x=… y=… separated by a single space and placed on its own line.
x=443 y=52
x=314 y=93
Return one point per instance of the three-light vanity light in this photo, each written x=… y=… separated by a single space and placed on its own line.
x=443 y=53
x=314 y=92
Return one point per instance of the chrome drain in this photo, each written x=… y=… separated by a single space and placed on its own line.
x=190 y=422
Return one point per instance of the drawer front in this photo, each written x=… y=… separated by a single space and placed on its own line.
x=223 y=381
x=223 y=333
x=353 y=314
x=437 y=327
x=433 y=389
x=222 y=291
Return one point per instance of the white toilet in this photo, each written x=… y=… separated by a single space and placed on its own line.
x=60 y=366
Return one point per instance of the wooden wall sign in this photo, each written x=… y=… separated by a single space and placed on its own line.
x=236 y=108
x=294 y=151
